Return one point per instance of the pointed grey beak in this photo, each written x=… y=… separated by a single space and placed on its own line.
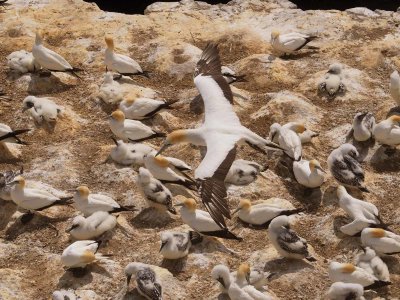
x=236 y=210
x=12 y=183
x=163 y=245
x=115 y=141
x=163 y=147
x=179 y=204
x=128 y=279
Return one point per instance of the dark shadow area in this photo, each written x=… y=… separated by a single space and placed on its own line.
x=283 y=266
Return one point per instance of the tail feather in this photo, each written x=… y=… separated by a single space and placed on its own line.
x=124 y=208
x=153 y=136
x=172 y=210
x=240 y=78
x=291 y=211
x=14 y=134
x=311 y=259
x=195 y=237
x=102 y=258
x=377 y=284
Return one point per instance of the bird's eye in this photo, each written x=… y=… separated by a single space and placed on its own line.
x=133 y=151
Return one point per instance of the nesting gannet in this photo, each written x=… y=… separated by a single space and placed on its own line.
x=250 y=276
x=363 y=126
x=175 y=245
x=119 y=63
x=230 y=75
x=364 y=214
x=243 y=172
x=168 y=171
x=222 y=274
x=110 y=91
x=141 y=108
x=387 y=132
x=220 y=133
x=382 y=241
x=42 y=109
x=305 y=137
x=22 y=61
x=345 y=168
x=5 y=179
x=89 y=203
x=147 y=282
x=243 y=281
x=308 y=173
x=202 y=222
x=286 y=241
x=129 y=154
x=49 y=60
x=156 y=193
x=290 y=42
x=260 y=214
x=130 y=129
x=82 y=253
x=7 y=135
x=33 y=199
x=93 y=226
x=348 y=273
x=289 y=139
x=394 y=86
x=373 y=264
x=332 y=82
x=345 y=291
x=64 y=295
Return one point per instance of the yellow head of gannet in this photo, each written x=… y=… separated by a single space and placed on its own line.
x=175 y=137
x=243 y=204
x=130 y=99
x=314 y=164
x=110 y=42
x=275 y=34
x=348 y=268
x=118 y=116
x=299 y=128
x=161 y=161
x=244 y=271
x=188 y=203
x=377 y=232
x=394 y=119
x=83 y=191
x=19 y=181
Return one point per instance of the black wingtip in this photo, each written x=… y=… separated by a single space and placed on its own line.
x=364 y=189
x=311 y=259
x=146 y=74
x=377 y=284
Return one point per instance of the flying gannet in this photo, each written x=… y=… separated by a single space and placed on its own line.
x=7 y=135
x=220 y=133
x=147 y=282
x=290 y=42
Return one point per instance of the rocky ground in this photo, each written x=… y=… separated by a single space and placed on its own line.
x=167 y=42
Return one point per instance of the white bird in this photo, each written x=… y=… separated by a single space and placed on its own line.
x=290 y=42
x=289 y=139
x=169 y=170
x=82 y=253
x=243 y=172
x=348 y=273
x=305 y=137
x=222 y=274
x=110 y=91
x=157 y=195
x=93 y=226
x=220 y=133
x=345 y=291
x=5 y=179
x=286 y=241
x=373 y=264
x=249 y=276
x=332 y=82
x=130 y=129
x=7 y=135
x=230 y=75
x=394 y=86
x=64 y=295
x=260 y=214
x=176 y=245
x=363 y=126
x=50 y=60
x=387 y=132
x=42 y=110
x=119 y=63
x=88 y=203
x=345 y=168
x=382 y=241
x=147 y=282
x=363 y=214
x=308 y=173
x=201 y=221
x=22 y=61
x=128 y=154
x=138 y=108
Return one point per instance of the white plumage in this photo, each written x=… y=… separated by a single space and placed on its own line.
x=243 y=172
x=305 y=137
x=345 y=291
x=93 y=226
x=129 y=154
x=136 y=108
x=394 y=86
x=64 y=295
x=175 y=245
x=363 y=126
x=382 y=241
x=332 y=82
x=110 y=91
x=42 y=109
x=308 y=173
x=81 y=253
x=22 y=61
x=290 y=141
x=290 y=42
x=387 y=132
x=373 y=264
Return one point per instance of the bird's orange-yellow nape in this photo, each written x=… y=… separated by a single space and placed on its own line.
x=83 y=191
x=243 y=269
x=109 y=41
x=118 y=115
x=348 y=268
x=20 y=181
x=244 y=204
x=313 y=164
x=130 y=99
x=176 y=137
x=38 y=37
x=275 y=34
x=190 y=204
x=161 y=161
x=88 y=256
x=299 y=128
x=395 y=118
x=377 y=232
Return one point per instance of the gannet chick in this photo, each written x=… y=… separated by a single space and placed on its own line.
x=363 y=214
x=394 y=86
x=49 y=59
x=230 y=75
x=157 y=195
x=387 y=132
x=42 y=110
x=22 y=61
x=147 y=282
x=345 y=168
x=128 y=154
x=202 y=222
x=286 y=241
x=260 y=214
x=5 y=179
x=141 y=108
x=64 y=295
x=93 y=226
x=33 y=199
x=176 y=245
x=222 y=274
x=382 y=241
x=363 y=126
x=290 y=42
x=332 y=83
x=88 y=203
x=305 y=137
x=348 y=273
x=308 y=173
x=82 y=253
x=243 y=172
x=7 y=135
x=346 y=291
x=165 y=170
x=130 y=129
x=119 y=63
x=290 y=141
x=251 y=276
x=373 y=264
x=110 y=91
